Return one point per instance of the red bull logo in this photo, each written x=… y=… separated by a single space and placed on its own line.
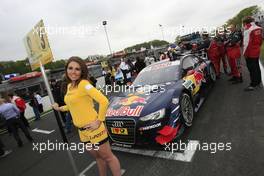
x=125 y=111
x=199 y=77
x=132 y=100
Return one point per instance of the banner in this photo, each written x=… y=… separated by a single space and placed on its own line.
x=37 y=46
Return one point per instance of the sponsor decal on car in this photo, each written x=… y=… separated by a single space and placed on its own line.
x=125 y=111
x=199 y=77
x=150 y=127
x=193 y=81
x=161 y=66
x=121 y=131
x=188 y=84
x=134 y=99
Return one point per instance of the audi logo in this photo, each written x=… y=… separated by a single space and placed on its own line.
x=117 y=124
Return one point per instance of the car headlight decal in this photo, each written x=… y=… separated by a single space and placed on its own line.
x=175 y=101
x=154 y=116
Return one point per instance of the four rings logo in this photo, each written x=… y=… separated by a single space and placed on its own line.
x=117 y=124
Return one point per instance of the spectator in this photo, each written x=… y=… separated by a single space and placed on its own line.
x=68 y=118
x=93 y=81
x=119 y=77
x=162 y=56
x=58 y=97
x=103 y=72
x=11 y=113
x=21 y=105
x=33 y=102
x=130 y=69
x=113 y=73
x=139 y=65
x=108 y=78
x=39 y=99
x=124 y=69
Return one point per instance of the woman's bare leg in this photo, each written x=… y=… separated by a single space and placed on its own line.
x=106 y=154
x=101 y=164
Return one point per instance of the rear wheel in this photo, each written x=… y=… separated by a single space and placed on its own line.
x=187 y=110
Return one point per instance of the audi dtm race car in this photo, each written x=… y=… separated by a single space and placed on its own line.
x=163 y=101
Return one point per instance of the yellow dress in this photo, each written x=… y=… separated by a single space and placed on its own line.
x=79 y=101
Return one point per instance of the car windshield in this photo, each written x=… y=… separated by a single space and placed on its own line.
x=158 y=73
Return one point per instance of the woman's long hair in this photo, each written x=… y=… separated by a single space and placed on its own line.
x=84 y=70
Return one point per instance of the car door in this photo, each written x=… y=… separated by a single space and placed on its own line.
x=191 y=74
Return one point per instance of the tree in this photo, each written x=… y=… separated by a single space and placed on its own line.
x=178 y=39
x=237 y=20
x=22 y=66
x=147 y=45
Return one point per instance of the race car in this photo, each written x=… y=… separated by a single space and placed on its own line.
x=160 y=103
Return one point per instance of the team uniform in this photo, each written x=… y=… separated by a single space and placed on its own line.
x=251 y=50
x=222 y=53
x=233 y=53
x=79 y=101
x=214 y=56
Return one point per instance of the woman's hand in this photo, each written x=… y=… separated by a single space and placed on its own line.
x=55 y=106
x=93 y=125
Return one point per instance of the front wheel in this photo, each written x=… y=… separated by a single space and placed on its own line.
x=212 y=73
x=187 y=110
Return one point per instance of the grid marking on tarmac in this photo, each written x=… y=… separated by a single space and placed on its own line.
x=91 y=165
x=87 y=168
x=186 y=156
x=262 y=71
x=42 y=131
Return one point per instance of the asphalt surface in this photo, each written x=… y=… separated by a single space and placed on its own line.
x=229 y=116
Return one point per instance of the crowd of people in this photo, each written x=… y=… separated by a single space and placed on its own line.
x=234 y=46
x=12 y=114
x=123 y=73
x=228 y=48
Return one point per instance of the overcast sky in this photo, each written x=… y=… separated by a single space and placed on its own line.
x=129 y=22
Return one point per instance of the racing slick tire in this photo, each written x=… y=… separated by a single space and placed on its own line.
x=186 y=109
x=212 y=73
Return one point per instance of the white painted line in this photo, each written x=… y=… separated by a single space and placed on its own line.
x=91 y=165
x=186 y=156
x=123 y=171
x=262 y=71
x=42 y=131
x=87 y=168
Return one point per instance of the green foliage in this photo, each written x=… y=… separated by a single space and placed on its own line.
x=147 y=45
x=56 y=64
x=22 y=66
x=178 y=39
x=237 y=20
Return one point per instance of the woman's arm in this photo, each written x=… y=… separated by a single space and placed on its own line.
x=60 y=108
x=99 y=98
